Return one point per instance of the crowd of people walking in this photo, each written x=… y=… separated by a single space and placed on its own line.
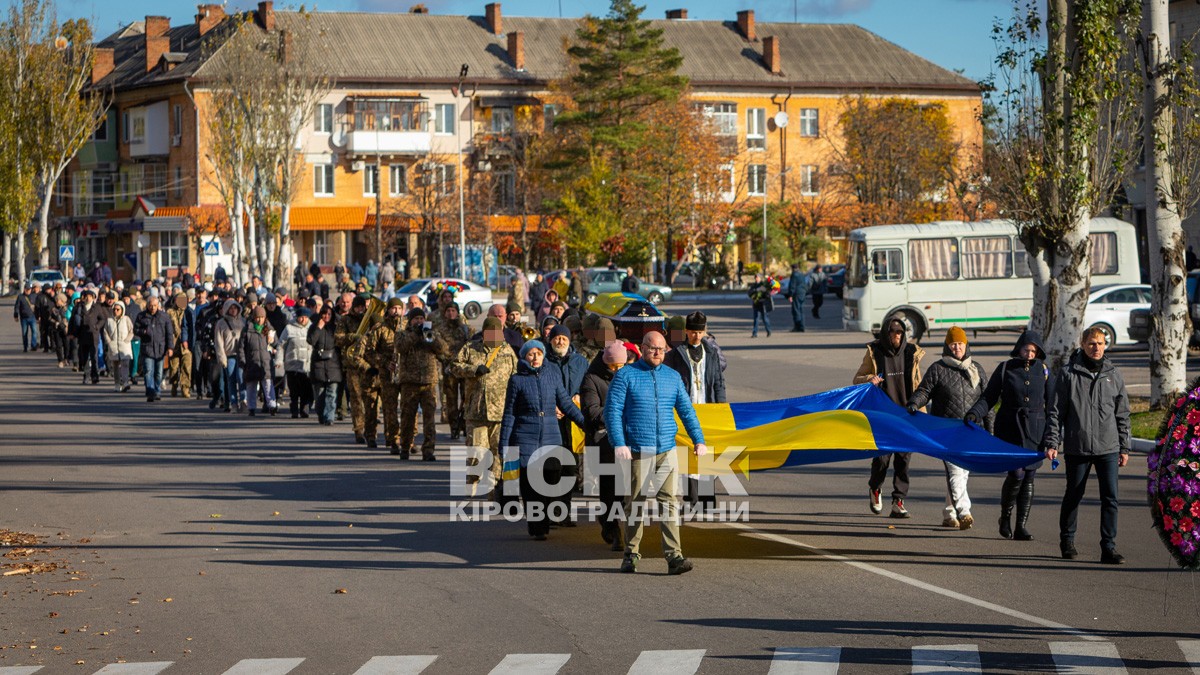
x=527 y=385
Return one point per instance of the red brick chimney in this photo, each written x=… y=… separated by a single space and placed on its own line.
x=771 y=54
x=676 y=13
x=155 y=48
x=492 y=13
x=516 y=49
x=102 y=63
x=157 y=25
x=208 y=17
x=746 y=24
x=265 y=16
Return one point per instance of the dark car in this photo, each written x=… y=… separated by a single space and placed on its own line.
x=835 y=278
x=1139 y=319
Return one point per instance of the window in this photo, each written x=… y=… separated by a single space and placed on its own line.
x=1021 y=261
x=723 y=117
x=179 y=182
x=810 y=122
x=727 y=187
x=60 y=188
x=809 y=184
x=444 y=120
x=397 y=180
x=756 y=128
x=323 y=118
x=1103 y=252
x=370 y=180
x=172 y=249
x=756 y=179
x=323 y=180
x=987 y=257
x=549 y=114
x=101 y=130
x=137 y=132
x=933 y=259
x=502 y=120
x=321 y=247
x=125 y=127
x=442 y=176
x=505 y=191
x=154 y=182
x=888 y=264
x=856 y=270
x=177 y=118
x=1121 y=296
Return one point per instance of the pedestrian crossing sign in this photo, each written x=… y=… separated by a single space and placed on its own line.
x=212 y=247
x=66 y=252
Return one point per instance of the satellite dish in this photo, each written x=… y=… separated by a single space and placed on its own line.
x=781 y=119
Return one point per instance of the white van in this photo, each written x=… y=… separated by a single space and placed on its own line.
x=951 y=273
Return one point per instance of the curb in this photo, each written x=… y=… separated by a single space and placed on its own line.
x=1142 y=445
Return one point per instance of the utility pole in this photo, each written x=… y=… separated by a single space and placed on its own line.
x=378 y=155
x=462 y=213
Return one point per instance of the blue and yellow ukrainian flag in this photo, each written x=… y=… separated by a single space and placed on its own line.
x=851 y=423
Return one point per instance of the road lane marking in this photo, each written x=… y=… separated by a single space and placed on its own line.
x=806 y=661
x=19 y=670
x=146 y=668
x=667 y=662
x=945 y=659
x=1191 y=652
x=1092 y=658
x=531 y=664
x=264 y=666
x=395 y=665
x=917 y=583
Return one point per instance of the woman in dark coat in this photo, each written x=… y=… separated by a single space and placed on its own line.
x=530 y=423
x=592 y=394
x=326 y=370
x=1022 y=385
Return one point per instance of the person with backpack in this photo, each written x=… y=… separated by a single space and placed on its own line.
x=818 y=283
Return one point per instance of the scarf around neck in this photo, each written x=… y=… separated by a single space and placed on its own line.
x=966 y=365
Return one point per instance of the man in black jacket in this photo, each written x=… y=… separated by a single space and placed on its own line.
x=1088 y=420
x=24 y=313
x=697 y=363
x=158 y=335
x=43 y=309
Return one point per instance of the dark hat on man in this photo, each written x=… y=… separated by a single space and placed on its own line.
x=514 y=307
x=696 y=321
x=303 y=312
x=360 y=300
x=560 y=330
x=450 y=305
x=492 y=323
x=677 y=322
x=395 y=302
x=415 y=313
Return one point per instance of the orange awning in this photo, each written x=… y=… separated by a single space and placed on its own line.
x=311 y=218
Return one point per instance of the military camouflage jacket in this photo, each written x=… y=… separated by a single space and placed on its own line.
x=418 y=361
x=484 y=395
x=455 y=335
x=353 y=349
x=381 y=347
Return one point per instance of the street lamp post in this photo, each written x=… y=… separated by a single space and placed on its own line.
x=462 y=214
x=379 y=110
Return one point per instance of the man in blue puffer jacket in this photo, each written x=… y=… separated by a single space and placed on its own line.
x=638 y=415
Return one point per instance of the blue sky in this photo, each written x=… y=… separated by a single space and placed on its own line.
x=955 y=34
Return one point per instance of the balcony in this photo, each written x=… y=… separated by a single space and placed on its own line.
x=491 y=145
x=386 y=126
x=388 y=142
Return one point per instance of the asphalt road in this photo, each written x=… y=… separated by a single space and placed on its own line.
x=211 y=543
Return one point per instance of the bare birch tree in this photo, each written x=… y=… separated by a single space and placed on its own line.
x=1066 y=116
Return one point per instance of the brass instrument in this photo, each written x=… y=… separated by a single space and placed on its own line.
x=375 y=308
x=529 y=332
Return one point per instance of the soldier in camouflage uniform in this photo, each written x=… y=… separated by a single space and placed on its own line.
x=419 y=353
x=180 y=364
x=381 y=346
x=362 y=382
x=485 y=364
x=454 y=332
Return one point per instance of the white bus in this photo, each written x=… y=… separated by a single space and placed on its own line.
x=951 y=273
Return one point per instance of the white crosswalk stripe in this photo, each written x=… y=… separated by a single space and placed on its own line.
x=531 y=664
x=1191 y=652
x=146 y=668
x=264 y=666
x=945 y=659
x=806 y=661
x=1092 y=658
x=668 y=662
x=396 y=665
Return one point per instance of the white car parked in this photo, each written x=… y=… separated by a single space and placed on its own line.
x=473 y=299
x=1108 y=309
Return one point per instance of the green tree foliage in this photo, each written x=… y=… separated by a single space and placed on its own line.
x=898 y=156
